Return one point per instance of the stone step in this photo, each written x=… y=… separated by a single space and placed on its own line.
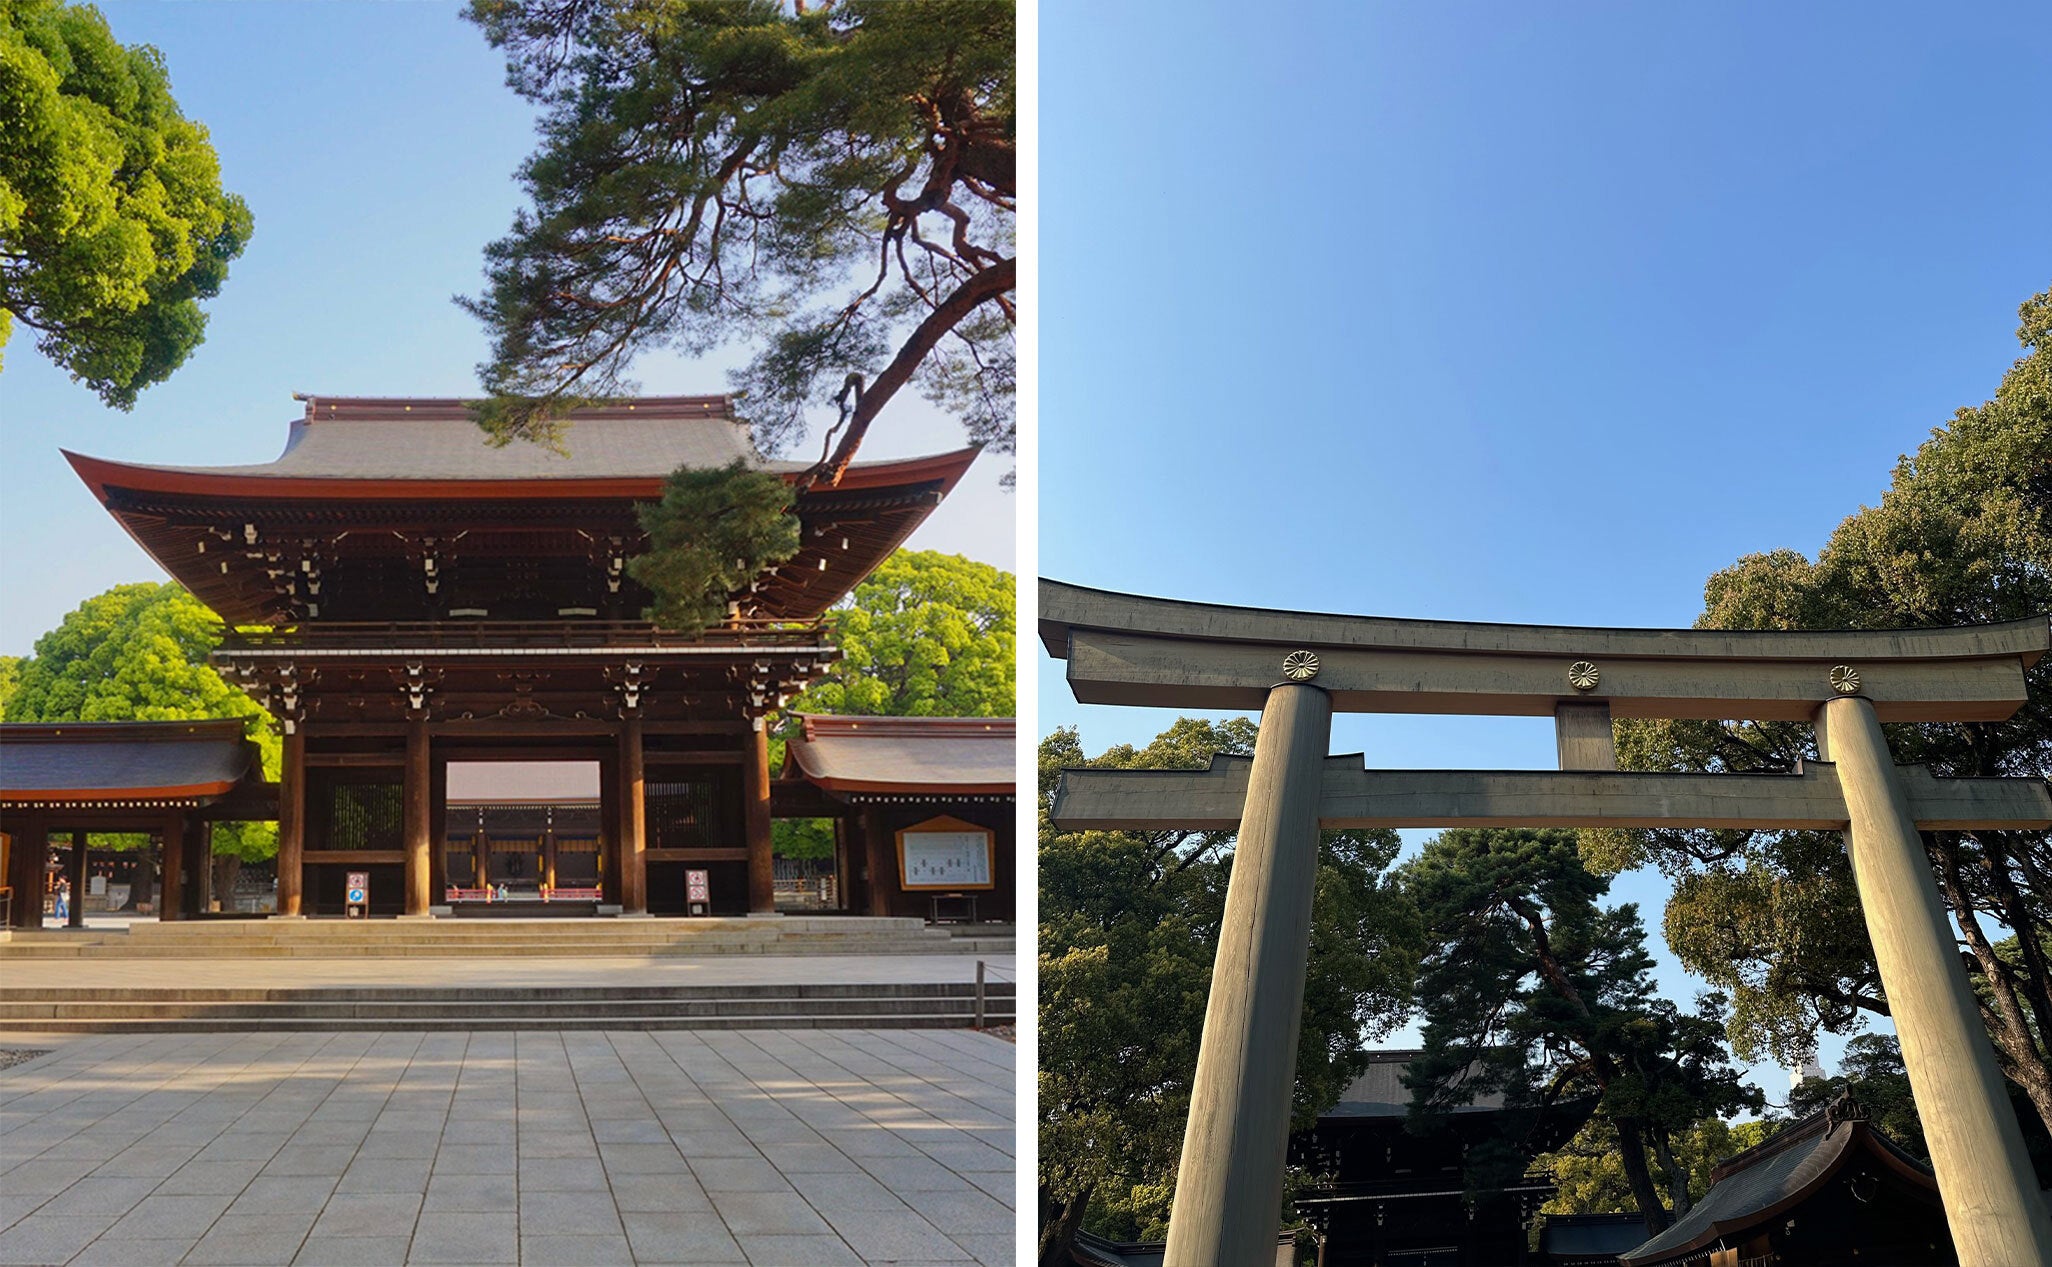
x=555 y=950
x=12 y=1013
x=456 y=927
x=99 y=1025
x=540 y=993
x=133 y=1009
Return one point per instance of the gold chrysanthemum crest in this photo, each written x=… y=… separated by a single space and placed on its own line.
x=1300 y=666
x=1583 y=675
x=1845 y=679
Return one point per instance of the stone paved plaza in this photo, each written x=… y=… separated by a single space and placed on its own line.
x=772 y=1148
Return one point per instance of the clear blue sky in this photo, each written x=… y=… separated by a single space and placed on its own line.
x=376 y=144
x=1511 y=312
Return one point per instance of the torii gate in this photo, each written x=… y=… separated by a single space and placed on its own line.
x=1298 y=667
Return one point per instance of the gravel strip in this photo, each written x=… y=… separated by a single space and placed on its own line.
x=12 y=1056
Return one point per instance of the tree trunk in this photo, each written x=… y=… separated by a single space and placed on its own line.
x=1060 y=1221
x=227 y=870
x=1631 y=1150
x=1677 y=1175
x=2002 y=1011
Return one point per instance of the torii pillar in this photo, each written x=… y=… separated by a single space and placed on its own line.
x=1229 y=1184
x=1977 y=1150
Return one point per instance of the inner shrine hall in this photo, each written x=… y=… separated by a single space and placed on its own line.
x=402 y=594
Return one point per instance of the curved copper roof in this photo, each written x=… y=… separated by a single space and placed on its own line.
x=967 y=755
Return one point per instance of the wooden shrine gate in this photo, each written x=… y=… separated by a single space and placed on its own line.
x=1297 y=668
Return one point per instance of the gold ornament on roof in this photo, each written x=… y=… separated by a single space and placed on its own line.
x=1300 y=666
x=1583 y=675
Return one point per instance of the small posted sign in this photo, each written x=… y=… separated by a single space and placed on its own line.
x=698 y=892
x=356 y=894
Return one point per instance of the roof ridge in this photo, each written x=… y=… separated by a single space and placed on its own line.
x=962 y=727
x=319 y=407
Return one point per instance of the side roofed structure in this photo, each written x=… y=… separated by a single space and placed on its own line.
x=1829 y=1190
x=922 y=809
x=169 y=779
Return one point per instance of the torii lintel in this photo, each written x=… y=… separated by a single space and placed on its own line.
x=1127 y=649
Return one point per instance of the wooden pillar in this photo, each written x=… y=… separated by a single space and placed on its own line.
x=438 y=831
x=878 y=849
x=171 y=881
x=419 y=835
x=844 y=873
x=609 y=830
x=1229 y=1184
x=755 y=795
x=548 y=864
x=27 y=857
x=78 y=880
x=633 y=850
x=199 y=856
x=480 y=859
x=1977 y=1151
x=291 y=820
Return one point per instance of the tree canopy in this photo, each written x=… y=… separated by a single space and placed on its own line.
x=835 y=184
x=1129 y=928
x=1532 y=988
x=139 y=653
x=1963 y=534
x=925 y=635
x=113 y=223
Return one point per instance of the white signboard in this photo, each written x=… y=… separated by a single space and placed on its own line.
x=945 y=859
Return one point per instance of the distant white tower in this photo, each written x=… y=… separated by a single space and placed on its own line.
x=1802 y=1073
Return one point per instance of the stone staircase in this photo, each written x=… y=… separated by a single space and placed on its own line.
x=509 y=938
x=816 y=1005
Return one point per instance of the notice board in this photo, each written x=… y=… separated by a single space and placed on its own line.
x=946 y=853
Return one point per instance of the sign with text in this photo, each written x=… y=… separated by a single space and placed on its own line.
x=946 y=853
x=356 y=894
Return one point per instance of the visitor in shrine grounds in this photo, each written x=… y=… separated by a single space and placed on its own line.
x=63 y=907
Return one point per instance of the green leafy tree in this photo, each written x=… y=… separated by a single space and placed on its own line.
x=1962 y=535
x=1532 y=988
x=834 y=183
x=1129 y=928
x=1588 y=1171
x=926 y=635
x=139 y=653
x=113 y=223
x=10 y=670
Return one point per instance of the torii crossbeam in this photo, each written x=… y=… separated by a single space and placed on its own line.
x=1299 y=667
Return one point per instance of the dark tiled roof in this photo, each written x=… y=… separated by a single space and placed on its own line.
x=905 y=754
x=1760 y=1182
x=88 y=761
